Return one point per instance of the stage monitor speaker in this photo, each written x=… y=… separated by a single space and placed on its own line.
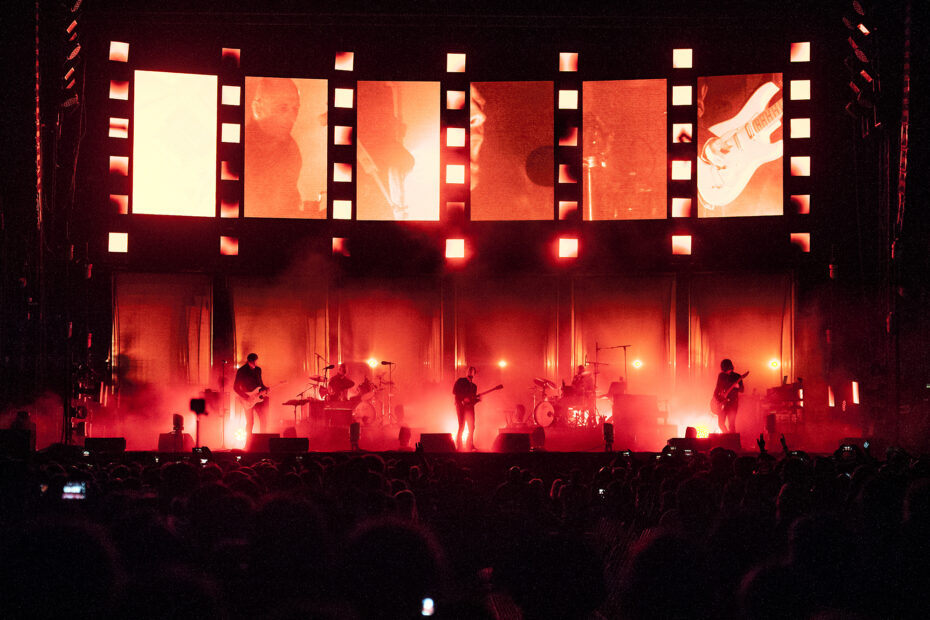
x=260 y=442
x=288 y=445
x=175 y=442
x=729 y=441
x=108 y=445
x=437 y=442
x=17 y=443
x=512 y=442
x=689 y=443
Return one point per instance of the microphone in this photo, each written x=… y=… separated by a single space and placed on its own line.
x=330 y=367
x=388 y=364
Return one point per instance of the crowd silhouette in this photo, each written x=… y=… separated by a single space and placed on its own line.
x=402 y=535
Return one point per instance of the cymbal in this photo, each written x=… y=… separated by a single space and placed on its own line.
x=317 y=378
x=295 y=402
x=544 y=383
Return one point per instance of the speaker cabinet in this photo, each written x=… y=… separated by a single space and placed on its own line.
x=108 y=445
x=512 y=442
x=260 y=442
x=175 y=442
x=437 y=442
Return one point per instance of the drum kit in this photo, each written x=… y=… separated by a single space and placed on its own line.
x=365 y=403
x=570 y=407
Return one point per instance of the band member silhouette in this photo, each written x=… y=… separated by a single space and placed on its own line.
x=726 y=395
x=466 y=395
x=251 y=391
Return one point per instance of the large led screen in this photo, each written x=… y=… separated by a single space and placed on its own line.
x=174 y=144
x=285 y=147
x=740 y=148
x=624 y=150
x=398 y=151
x=512 y=154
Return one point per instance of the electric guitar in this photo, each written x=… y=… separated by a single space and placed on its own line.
x=255 y=396
x=722 y=397
x=738 y=147
x=477 y=398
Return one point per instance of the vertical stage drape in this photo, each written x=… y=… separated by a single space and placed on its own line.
x=633 y=311
x=284 y=323
x=511 y=321
x=160 y=351
x=394 y=321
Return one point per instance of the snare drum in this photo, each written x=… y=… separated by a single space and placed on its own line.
x=544 y=414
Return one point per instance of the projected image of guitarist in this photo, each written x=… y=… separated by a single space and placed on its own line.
x=251 y=391
x=725 y=401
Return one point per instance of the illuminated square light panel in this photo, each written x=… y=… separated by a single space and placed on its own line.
x=455 y=207
x=682 y=133
x=231 y=95
x=455 y=99
x=119 y=90
x=565 y=174
x=801 y=51
x=342 y=135
x=800 y=128
x=343 y=98
x=802 y=203
x=345 y=61
x=119 y=165
x=340 y=246
x=681 y=95
x=569 y=137
x=118 y=242
x=230 y=133
x=120 y=203
x=455 y=136
x=232 y=53
x=800 y=90
x=568 y=61
x=342 y=173
x=568 y=247
x=119 y=127
x=681 y=245
x=227 y=172
x=682 y=58
x=681 y=207
x=455 y=174
x=802 y=241
x=229 y=208
x=681 y=170
x=455 y=248
x=229 y=246
x=342 y=209
x=568 y=99
x=455 y=63
x=174 y=144
x=800 y=166
x=119 y=51
x=567 y=208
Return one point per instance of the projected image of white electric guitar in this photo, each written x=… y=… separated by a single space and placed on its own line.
x=738 y=147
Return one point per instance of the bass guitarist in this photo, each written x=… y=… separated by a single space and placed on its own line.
x=251 y=391
x=725 y=401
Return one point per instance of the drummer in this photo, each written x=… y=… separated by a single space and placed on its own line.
x=339 y=385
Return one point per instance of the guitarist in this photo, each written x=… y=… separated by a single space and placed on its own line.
x=726 y=393
x=466 y=395
x=251 y=390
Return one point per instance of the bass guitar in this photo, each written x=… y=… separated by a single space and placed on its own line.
x=477 y=397
x=255 y=396
x=738 y=147
x=720 y=398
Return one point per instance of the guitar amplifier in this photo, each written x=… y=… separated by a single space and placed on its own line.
x=261 y=442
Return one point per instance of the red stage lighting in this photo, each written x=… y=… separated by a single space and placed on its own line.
x=342 y=173
x=232 y=54
x=119 y=89
x=345 y=61
x=567 y=208
x=800 y=51
x=120 y=202
x=681 y=245
x=568 y=99
x=569 y=137
x=681 y=207
x=119 y=127
x=568 y=61
x=800 y=166
x=231 y=95
x=802 y=240
x=455 y=248
x=682 y=58
x=118 y=242
x=455 y=63
x=455 y=99
x=681 y=95
x=340 y=246
x=801 y=202
x=119 y=51
x=568 y=247
x=229 y=246
x=342 y=209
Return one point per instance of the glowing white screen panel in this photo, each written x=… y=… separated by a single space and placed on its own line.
x=285 y=148
x=174 y=144
x=740 y=147
x=398 y=151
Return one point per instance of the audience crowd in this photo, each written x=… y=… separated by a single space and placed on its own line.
x=403 y=535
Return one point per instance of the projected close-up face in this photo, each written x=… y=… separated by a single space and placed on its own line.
x=285 y=148
x=740 y=147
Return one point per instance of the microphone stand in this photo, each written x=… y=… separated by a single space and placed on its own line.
x=598 y=349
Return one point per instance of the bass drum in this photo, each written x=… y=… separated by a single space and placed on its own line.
x=364 y=413
x=544 y=414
